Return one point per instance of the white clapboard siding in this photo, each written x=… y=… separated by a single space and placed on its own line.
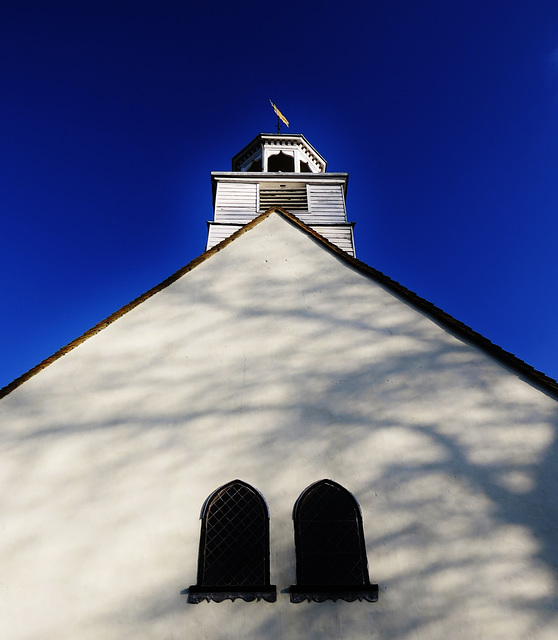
x=326 y=203
x=218 y=232
x=341 y=235
x=236 y=202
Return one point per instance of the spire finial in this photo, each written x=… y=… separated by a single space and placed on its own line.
x=280 y=117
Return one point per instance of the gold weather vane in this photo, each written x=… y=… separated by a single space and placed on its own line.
x=280 y=117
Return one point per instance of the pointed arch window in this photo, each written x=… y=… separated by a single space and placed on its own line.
x=233 y=559
x=330 y=551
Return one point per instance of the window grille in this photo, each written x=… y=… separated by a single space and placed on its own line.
x=233 y=558
x=330 y=551
x=291 y=198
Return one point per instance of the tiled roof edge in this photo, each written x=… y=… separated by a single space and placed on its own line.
x=545 y=382
x=4 y=391
x=505 y=357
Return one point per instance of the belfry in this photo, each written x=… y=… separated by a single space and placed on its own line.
x=281 y=170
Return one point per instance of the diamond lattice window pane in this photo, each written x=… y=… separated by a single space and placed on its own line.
x=329 y=537
x=234 y=547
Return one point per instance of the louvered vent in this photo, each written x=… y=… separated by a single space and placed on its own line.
x=291 y=198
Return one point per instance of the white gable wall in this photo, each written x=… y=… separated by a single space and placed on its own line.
x=275 y=363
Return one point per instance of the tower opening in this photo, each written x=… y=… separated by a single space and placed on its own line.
x=256 y=165
x=280 y=162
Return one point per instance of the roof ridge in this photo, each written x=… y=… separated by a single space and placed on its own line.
x=445 y=319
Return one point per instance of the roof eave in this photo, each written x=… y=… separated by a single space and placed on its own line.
x=542 y=381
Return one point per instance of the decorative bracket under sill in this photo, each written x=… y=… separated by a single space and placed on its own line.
x=197 y=593
x=321 y=593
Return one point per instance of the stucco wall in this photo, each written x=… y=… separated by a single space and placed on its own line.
x=275 y=363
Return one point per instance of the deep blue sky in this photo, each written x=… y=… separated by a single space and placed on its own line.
x=113 y=114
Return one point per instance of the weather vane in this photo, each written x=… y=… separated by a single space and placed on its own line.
x=280 y=117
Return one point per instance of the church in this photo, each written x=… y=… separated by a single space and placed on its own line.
x=280 y=442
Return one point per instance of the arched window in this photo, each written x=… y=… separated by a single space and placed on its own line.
x=330 y=551
x=233 y=559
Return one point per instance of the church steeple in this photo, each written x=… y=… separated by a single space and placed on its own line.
x=282 y=170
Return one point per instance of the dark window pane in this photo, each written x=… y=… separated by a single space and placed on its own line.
x=234 y=549
x=330 y=552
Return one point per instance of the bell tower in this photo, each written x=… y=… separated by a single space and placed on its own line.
x=281 y=170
